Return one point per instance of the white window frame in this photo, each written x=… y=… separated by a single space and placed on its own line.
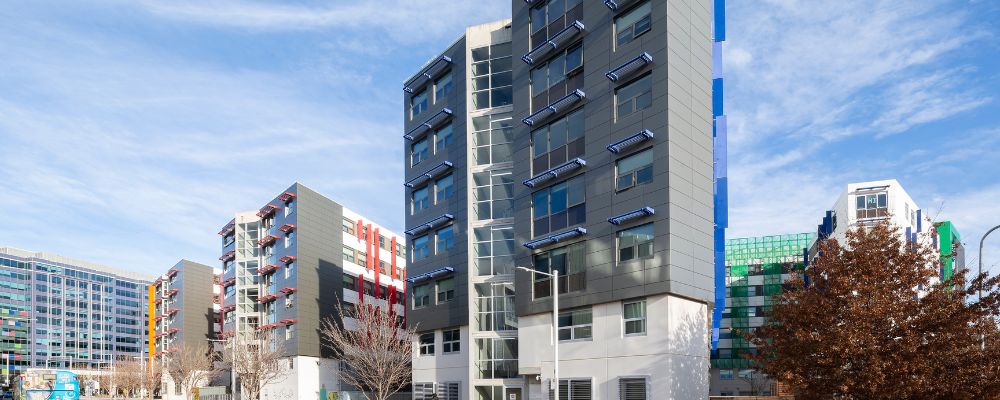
x=427 y=349
x=643 y=319
x=451 y=346
x=572 y=328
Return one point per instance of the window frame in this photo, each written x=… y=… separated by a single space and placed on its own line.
x=418 y=107
x=573 y=141
x=571 y=208
x=634 y=173
x=642 y=319
x=441 y=93
x=421 y=250
x=444 y=192
x=451 y=346
x=447 y=295
x=568 y=282
x=633 y=26
x=424 y=153
x=441 y=141
x=442 y=244
x=500 y=181
x=637 y=245
x=573 y=328
x=426 y=348
x=494 y=249
x=422 y=301
x=486 y=149
x=633 y=100
x=500 y=60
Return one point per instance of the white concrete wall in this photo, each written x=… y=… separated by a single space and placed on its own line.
x=304 y=380
x=673 y=355
x=440 y=368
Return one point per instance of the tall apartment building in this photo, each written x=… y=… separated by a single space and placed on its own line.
x=867 y=203
x=185 y=304
x=604 y=172
x=756 y=268
x=288 y=265
x=59 y=312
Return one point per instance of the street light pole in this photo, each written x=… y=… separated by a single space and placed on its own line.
x=555 y=324
x=981 y=241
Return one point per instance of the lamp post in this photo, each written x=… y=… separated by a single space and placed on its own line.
x=981 y=241
x=555 y=323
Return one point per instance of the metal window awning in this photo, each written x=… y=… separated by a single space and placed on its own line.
x=267 y=210
x=557 y=40
x=267 y=298
x=228 y=308
x=556 y=106
x=552 y=173
x=616 y=5
x=430 y=174
x=287 y=228
x=229 y=282
x=228 y=229
x=267 y=269
x=171 y=292
x=287 y=290
x=428 y=73
x=556 y=238
x=429 y=124
x=622 y=145
x=287 y=259
x=289 y=321
x=286 y=197
x=629 y=67
x=632 y=215
x=267 y=240
x=172 y=311
x=431 y=275
x=171 y=273
x=434 y=223
x=231 y=254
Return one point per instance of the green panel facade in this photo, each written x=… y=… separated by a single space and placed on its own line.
x=756 y=267
x=948 y=237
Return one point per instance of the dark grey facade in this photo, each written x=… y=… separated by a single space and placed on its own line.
x=675 y=110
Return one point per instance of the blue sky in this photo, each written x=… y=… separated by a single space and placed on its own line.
x=131 y=130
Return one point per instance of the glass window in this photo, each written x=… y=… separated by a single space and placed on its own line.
x=451 y=341
x=427 y=343
x=492 y=138
x=442 y=87
x=349 y=255
x=495 y=307
x=491 y=76
x=421 y=247
x=635 y=96
x=289 y=332
x=493 y=194
x=570 y=261
x=635 y=243
x=418 y=103
x=350 y=282
x=420 y=200
x=494 y=249
x=559 y=206
x=444 y=188
x=635 y=170
x=418 y=152
x=442 y=138
x=633 y=24
x=576 y=324
x=445 y=290
x=445 y=239
x=556 y=70
x=289 y=269
x=726 y=374
x=421 y=295
x=496 y=358
x=550 y=17
x=559 y=141
x=634 y=315
x=875 y=205
x=349 y=227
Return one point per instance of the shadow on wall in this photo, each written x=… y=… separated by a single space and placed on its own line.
x=690 y=378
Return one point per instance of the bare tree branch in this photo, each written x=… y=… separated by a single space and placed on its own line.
x=374 y=345
x=191 y=366
x=258 y=360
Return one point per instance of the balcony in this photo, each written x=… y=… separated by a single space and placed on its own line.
x=629 y=67
x=555 y=238
x=430 y=174
x=629 y=142
x=552 y=173
x=268 y=240
x=268 y=269
x=427 y=74
x=559 y=105
x=267 y=211
x=434 y=223
x=632 y=215
x=287 y=228
x=557 y=41
x=286 y=197
x=433 y=122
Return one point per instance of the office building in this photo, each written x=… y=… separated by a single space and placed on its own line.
x=756 y=268
x=185 y=303
x=606 y=164
x=60 y=312
x=288 y=265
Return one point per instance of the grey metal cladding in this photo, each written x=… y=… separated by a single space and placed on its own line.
x=196 y=295
x=681 y=189
x=454 y=312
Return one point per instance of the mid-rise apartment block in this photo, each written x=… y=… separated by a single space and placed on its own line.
x=575 y=138
x=60 y=312
x=756 y=270
x=288 y=265
x=185 y=304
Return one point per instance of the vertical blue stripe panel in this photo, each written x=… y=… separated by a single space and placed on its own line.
x=720 y=20
x=721 y=150
x=716 y=60
x=717 y=97
x=920 y=222
x=722 y=204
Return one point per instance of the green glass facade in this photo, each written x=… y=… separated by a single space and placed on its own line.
x=952 y=258
x=756 y=267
